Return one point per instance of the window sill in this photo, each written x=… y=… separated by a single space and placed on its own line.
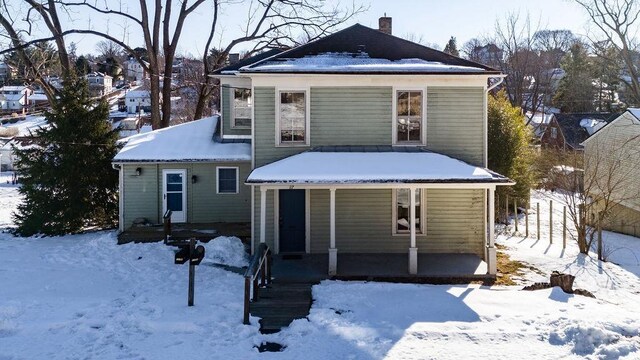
x=418 y=233
x=292 y=145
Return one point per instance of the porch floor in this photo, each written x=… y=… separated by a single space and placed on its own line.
x=200 y=231
x=432 y=268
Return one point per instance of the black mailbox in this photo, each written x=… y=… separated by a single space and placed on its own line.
x=182 y=255
x=198 y=255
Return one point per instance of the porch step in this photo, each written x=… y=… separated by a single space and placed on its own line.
x=280 y=303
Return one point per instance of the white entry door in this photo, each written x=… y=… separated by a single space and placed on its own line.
x=174 y=196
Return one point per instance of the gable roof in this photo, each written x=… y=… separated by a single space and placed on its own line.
x=359 y=49
x=574 y=134
x=635 y=112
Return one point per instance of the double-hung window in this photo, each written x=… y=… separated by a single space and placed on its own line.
x=241 y=108
x=227 y=180
x=292 y=122
x=409 y=116
x=402 y=211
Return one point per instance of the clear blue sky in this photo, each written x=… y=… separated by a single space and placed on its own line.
x=433 y=20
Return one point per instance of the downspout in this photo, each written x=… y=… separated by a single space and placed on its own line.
x=120 y=195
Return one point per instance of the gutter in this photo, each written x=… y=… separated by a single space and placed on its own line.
x=500 y=81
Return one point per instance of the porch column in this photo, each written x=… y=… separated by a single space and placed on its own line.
x=333 y=252
x=263 y=214
x=491 y=250
x=413 y=250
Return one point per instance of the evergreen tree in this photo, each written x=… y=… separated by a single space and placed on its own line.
x=67 y=180
x=510 y=153
x=576 y=90
x=82 y=66
x=452 y=47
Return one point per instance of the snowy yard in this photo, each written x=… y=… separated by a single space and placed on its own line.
x=82 y=296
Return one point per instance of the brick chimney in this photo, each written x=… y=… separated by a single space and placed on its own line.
x=384 y=24
x=234 y=58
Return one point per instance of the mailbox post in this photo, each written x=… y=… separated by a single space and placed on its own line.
x=194 y=255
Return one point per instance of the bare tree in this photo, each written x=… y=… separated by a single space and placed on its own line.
x=270 y=24
x=593 y=197
x=617 y=22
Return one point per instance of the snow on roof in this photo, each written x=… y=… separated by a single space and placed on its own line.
x=138 y=93
x=192 y=141
x=38 y=97
x=635 y=112
x=314 y=167
x=360 y=63
x=592 y=125
x=13 y=88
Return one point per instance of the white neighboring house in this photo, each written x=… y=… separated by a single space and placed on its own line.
x=138 y=99
x=135 y=71
x=99 y=84
x=15 y=97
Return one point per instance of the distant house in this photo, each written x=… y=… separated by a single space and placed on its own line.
x=16 y=97
x=137 y=100
x=7 y=72
x=99 y=84
x=568 y=131
x=134 y=71
x=7 y=154
x=612 y=171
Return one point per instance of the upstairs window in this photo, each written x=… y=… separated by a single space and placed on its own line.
x=292 y=124
x=554 y=133
x=242 y=104
x=409 y=116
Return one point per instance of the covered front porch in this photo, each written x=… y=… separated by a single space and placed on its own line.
x=432 y=268
x=368 y=216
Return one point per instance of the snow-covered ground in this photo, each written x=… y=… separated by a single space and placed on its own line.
x=28 y=125
x=83 y=297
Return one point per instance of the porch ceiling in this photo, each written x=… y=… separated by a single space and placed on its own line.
x=358 y=166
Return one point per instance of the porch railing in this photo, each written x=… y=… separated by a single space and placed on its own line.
x=260 y=267
x=166 y=225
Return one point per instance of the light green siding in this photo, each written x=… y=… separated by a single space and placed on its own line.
x=143 y=194
x=351 y=115
x=455 y=222
x=140 y=193
x=455 y=122
x=226 y=101
x=364 y=224
x=265 y=129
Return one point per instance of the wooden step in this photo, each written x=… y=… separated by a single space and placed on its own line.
x=281 y=303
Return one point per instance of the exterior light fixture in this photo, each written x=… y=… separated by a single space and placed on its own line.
x=138 y=171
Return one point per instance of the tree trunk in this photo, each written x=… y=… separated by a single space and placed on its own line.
x=155 y=101
x=564 y=281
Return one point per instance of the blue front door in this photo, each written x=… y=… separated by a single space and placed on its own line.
x=292 y=220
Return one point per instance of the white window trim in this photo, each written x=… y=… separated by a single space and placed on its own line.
x=232 y=108
x=218 y=179
x=394 y=122
x=307 y=131
x=421 y=230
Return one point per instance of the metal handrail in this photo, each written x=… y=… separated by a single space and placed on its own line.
x=260 y=265
x=166 y=225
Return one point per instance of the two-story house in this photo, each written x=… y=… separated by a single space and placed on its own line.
x=16 y=98
x=136 y=100
x=100 y=84
x=357 y=143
